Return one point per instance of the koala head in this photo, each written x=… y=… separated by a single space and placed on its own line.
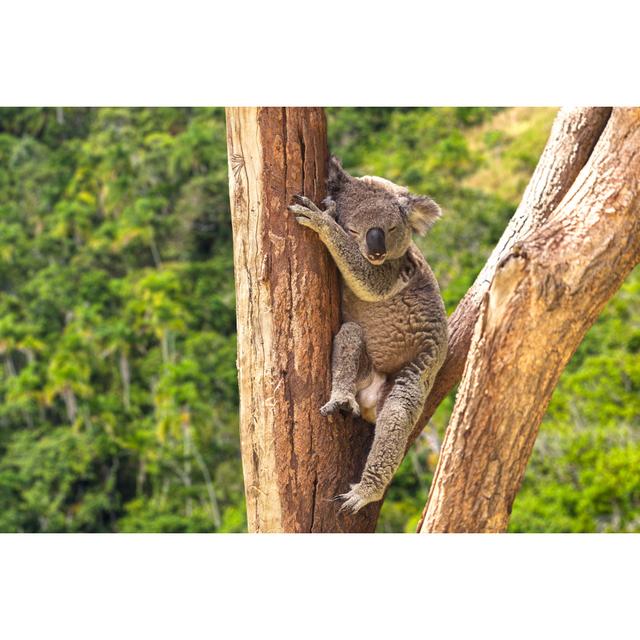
x=379 y=214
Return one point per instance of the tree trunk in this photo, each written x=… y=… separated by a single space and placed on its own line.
x=565 y=252
x=546 y=292
x=294 y=460
x=573 y=136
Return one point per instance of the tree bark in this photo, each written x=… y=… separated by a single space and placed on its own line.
x=573 y=136
x=288 y=308
x=547 y=275
x=546 y=291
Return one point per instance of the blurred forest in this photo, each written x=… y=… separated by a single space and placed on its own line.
x=118 y=392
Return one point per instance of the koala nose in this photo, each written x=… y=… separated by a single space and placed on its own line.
x=375 y=243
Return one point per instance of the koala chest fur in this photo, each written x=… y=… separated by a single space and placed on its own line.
x=397 y=331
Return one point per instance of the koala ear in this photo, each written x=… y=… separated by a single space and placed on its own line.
x=337 y=177
x=422 y=212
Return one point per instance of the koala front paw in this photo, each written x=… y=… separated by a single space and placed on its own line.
x=346 y=403
x=309 y=215
x=356 y=498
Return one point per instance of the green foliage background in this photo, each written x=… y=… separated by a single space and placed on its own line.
x=118 y=395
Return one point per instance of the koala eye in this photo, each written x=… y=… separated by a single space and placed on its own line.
x=352 y=231
x=392 y=228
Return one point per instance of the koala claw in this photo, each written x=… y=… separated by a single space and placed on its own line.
x=330 y=205
x=303 y=200
x=309 y=215
x=353 y=501
x=304 y=221
x=302 y=212
x=346 y=404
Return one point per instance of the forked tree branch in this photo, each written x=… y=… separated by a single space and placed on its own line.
x=547 y=290
x=573 y=136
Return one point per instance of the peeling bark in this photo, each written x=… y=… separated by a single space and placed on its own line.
x=294 y=460
x=547 y=290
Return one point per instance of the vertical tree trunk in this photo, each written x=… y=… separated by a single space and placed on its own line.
x=545 y=294
x=294 y=460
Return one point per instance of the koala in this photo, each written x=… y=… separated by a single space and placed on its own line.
x=393 y=337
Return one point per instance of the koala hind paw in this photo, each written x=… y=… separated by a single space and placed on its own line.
x=354 y=500
x=347 y=404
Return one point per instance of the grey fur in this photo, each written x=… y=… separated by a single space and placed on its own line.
x=394 y=334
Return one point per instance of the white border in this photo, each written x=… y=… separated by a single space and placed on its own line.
x=330 y=586
x=135 y=52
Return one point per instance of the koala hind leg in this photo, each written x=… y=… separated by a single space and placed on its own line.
x=349 y=365
x=396 y=419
